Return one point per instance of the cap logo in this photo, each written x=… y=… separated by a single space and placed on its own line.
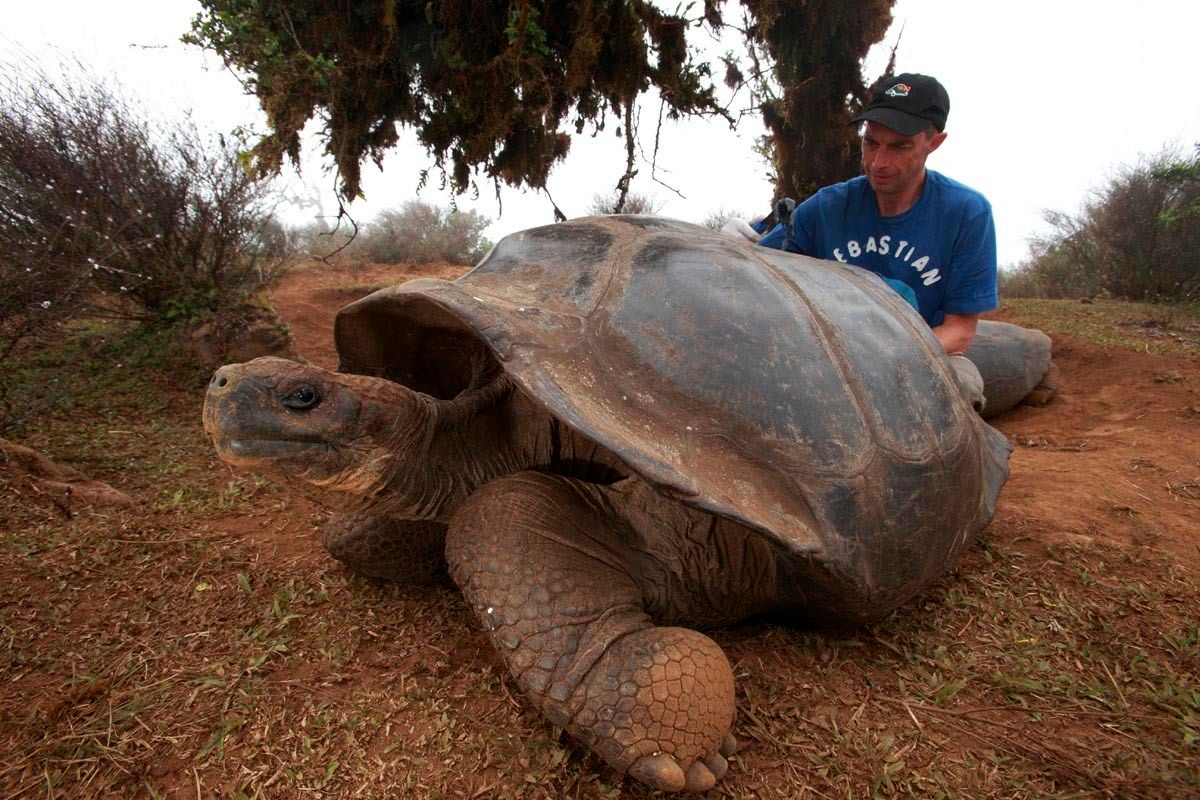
x=899 y=90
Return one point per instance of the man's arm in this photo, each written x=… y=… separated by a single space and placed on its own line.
x=972 y=281
x=956 y=332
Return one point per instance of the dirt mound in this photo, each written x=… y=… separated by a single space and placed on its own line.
x=242 y=333
x=27 y=472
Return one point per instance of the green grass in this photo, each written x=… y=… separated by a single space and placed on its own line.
x=1143 y=327
x=363 y=288
x=85 y=368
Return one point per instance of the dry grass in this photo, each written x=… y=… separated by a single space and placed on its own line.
x=1162 y=329
x=202 y=646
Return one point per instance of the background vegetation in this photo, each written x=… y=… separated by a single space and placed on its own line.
x=415 y=233
x=1136 y=238
x=633 y=203
x=495 y=89
x=419 y=232
x=106 y=211
x=103 y=207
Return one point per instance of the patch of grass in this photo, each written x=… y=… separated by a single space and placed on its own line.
x=363 y=288
x=1012 y=679
x=1143 y=327
x=93 y=368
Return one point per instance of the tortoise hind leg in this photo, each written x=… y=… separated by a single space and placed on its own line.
x=558 y=577
x=1046 y=388
x=406 y=551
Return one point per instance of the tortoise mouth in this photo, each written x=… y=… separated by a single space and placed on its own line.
x=270 y=448
x=278 y=453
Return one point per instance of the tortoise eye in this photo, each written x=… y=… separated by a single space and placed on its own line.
x=301 y=398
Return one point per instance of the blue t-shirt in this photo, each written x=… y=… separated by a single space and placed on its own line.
x=944 y=247
x=776 y=237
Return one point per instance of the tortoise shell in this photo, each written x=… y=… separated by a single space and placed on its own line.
x=801 y=398
x=1012 y=360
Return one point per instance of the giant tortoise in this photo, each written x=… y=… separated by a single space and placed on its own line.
x=1015 y=365
x=622 y=430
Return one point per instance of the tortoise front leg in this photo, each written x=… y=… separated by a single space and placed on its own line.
x=564 y=580
x=407 y=551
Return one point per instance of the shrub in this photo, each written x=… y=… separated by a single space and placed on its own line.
x=103 y=209
x=634 y=204
x=1017 y=281
x=1138 y=237
x=717 y=218
x=318 y=239
x=1061 y=264
x=419 y=232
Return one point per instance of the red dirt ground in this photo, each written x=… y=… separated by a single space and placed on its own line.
x=1115 y=457
x=308 y=299
x=204 y=645
x=1112 y=461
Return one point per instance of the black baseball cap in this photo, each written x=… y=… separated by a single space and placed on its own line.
x=908 y=104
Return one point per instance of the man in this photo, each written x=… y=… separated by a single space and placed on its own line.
x=930 y=237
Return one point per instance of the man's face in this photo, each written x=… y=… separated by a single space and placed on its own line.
x=895 y=164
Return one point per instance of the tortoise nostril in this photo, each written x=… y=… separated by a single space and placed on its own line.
x=222 y=381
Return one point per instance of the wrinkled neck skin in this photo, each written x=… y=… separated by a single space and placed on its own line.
x=428 y=455
x=449 y=448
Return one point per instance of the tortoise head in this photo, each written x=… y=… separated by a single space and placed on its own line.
x=342 y=438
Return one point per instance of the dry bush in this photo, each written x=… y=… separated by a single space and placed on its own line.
x=634 y=204
x=321 y=240
x=1061 y=265
x=1020 y=281
x=1137 y=238
x=103 y=208
x=420 y=232
x=106 y=211
x=1145 y=250
x=716 y=219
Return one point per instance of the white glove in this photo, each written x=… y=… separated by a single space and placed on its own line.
x=740 y=229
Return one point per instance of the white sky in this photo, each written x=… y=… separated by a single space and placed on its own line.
x=1047 y=98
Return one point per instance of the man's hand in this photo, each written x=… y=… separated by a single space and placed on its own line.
x=740 y=229
x=956 y=332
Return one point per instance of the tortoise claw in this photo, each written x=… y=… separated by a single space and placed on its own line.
x=729 y=745
x=660 y=771
x=699 y=777
x=717 y=765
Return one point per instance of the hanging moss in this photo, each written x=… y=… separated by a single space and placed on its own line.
x=489 y=85
x=818 y=47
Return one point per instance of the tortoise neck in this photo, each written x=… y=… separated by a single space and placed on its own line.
x=446 y=449
x=441 y=451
